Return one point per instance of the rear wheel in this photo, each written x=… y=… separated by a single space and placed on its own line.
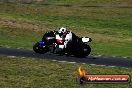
x=41 y=49
x=83 y=50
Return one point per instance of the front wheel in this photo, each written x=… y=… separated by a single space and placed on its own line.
x=41 y=49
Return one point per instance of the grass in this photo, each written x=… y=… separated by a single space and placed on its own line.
x=87 y=2
x=110 y=28
x=79 y=2
x=43 y=73
x=15 y=37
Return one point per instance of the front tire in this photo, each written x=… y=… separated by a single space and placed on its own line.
x=41 y=49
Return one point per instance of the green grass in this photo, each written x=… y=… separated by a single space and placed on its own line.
x=43 y=73
x=86 y=2
x=78 y=2
x=16 y=37
x=91 y=2
x=110 y=28
x=113 y=18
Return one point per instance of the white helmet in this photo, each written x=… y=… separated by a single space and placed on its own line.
x=62 y=30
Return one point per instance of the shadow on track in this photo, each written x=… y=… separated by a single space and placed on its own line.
x=108 y=61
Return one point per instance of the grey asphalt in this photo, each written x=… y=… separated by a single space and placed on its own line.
x=101 y=60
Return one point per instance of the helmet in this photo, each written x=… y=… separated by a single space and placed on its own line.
x=62 y=30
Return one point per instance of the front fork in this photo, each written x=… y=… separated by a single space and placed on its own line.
x=54 y=45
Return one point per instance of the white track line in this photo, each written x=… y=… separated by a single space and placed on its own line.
x=102 y=65
x=125 y=57
x=54 y=60
x=112 y=66
x=114 y=56
x=7 y=46
x=62 y=61
x=92 y=64
x=99 y=55
x=11 y=56
x=69 y=62
x=83 y=63
x=23 y=57
x=19 y=48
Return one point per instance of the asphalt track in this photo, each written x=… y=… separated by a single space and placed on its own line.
x=99 y=60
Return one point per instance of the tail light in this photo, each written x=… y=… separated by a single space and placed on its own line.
x=60 y=41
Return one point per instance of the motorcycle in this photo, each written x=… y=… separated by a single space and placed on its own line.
x=52 y=42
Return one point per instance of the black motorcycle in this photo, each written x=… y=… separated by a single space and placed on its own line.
x=77 y=47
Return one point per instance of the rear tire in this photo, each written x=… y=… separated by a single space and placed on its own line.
x=83 y=50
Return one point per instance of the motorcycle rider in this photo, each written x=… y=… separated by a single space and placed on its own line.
x=62 y=32
x=65 y=35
